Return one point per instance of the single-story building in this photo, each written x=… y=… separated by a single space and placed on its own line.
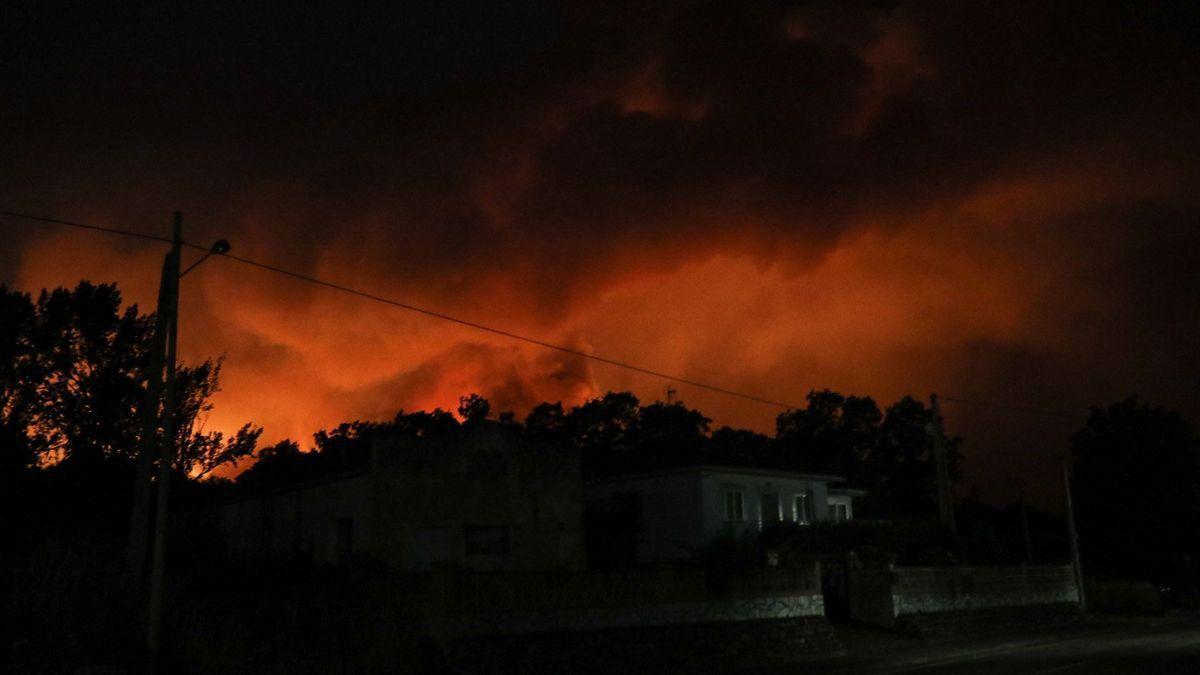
x=669 y=514
x=477 y=497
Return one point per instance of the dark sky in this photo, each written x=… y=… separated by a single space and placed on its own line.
x=996 y=201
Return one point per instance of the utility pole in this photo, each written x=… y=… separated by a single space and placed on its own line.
x=1073 y=536
x=670 y=394
x=945 y=505
x=140 y=515
x=167 y=445
x=1025 y=528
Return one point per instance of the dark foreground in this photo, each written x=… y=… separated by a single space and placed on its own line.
x=1158 y=645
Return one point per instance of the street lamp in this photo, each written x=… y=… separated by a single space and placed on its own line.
x=219 y=247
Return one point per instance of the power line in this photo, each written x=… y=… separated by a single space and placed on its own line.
x=504 y=333
x=427 y=312
x=509 y=334
x=96 y=228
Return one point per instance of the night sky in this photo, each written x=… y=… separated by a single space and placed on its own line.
x=995 y=201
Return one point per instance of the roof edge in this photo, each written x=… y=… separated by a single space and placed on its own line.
x=718 y=468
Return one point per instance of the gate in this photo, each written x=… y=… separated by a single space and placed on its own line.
x=835 y=586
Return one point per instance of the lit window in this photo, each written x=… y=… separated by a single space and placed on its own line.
x=735 y=505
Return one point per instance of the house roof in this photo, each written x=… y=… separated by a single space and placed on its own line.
x=848 y=491
x=715 y=468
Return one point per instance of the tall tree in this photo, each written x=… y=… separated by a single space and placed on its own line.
x=900 y=473
x=21 y=441
x=832 y=434
x=546 y=424
x=599 y=429
x=668 y=434
x=71 y=383
x=1137 y=493
x=741 y=447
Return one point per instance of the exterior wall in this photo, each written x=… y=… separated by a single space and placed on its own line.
x=753 y=486
x=477 y=498
x=303 y=519
x=431 y=494
x=881 y=596
x=668 y=507
x=679 y=511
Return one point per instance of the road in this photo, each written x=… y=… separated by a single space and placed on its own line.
x=1121 y=646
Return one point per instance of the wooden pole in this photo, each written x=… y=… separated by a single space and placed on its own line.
x=1025 y=529
x=1073 y=536
x=167 y=456
x=139 y=517
x=945 y=503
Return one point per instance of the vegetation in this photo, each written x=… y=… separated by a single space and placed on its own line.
x=72 y=367
x=1137 y=492
x=888 y=452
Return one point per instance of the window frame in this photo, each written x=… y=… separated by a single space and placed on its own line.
x=763 y=521
x=802 y=508
x=740 y=494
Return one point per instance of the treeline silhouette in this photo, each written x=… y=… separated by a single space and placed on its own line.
x=888 y=452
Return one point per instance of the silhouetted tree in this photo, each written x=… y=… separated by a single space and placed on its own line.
x=900 y=473
x=833 y=434
x=72 y=377
x=199 y=451
x=278 y=465
x=1137 y=490
x=599 y=430
x=423 y=424
x=741 y=447
x=668 y=434
x=348 y=445
x=21 y=442
x=547 y=424
x=473 y=408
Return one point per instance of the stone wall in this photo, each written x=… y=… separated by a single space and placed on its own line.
x=472 y=604
x=691 y=647
x=882 y=596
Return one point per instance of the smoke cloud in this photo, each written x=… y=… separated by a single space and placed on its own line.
x=994 y=202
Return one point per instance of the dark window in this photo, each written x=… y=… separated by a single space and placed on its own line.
x=487 y=540
x=345 y=537
x=735 y=505
x=769 y=504
x=802 y=508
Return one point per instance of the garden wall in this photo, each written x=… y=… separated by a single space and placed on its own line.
x=883 y=596
x=471 y=604
x=646 y=620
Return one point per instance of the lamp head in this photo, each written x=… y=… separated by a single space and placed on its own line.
x=220 y=246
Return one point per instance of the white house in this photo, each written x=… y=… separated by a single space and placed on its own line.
x=669 y=514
